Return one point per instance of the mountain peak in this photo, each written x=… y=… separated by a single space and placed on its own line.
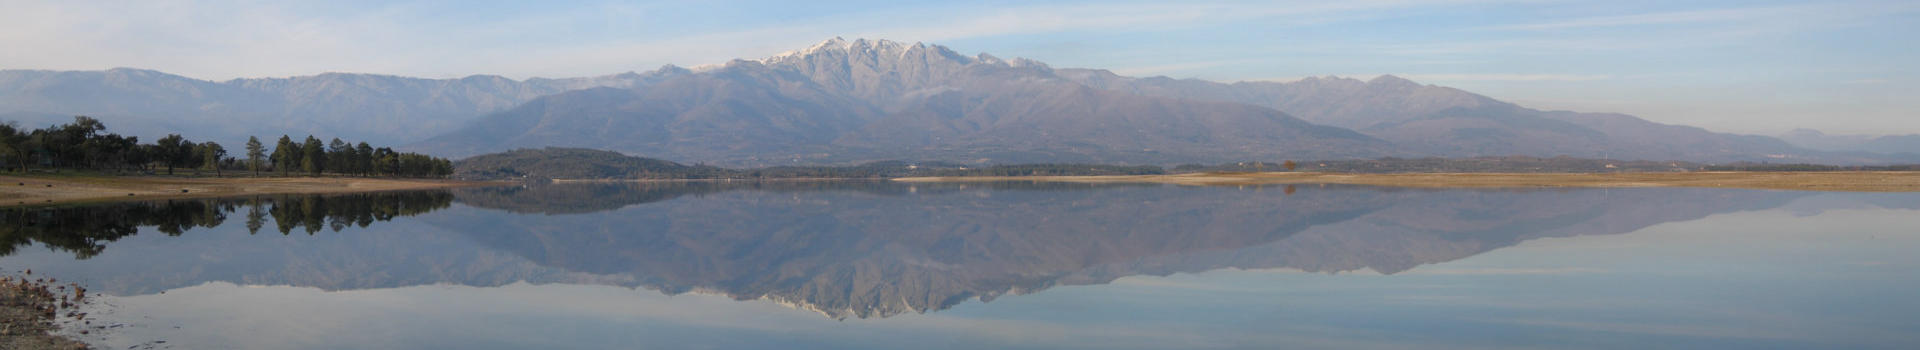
x=137 y=72
x=867 y=51
x=1393 y=81
x=670 y=69
x=988 y=59
x=1022 y=62
x=834 y=41
x=131 y=70
x=485 y=77
x=856 y=46
x=1806 y=132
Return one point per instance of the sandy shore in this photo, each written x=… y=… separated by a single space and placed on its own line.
x=1861 y=181
x=38 y=190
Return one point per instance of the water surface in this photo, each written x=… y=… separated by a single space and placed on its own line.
x=1005 y=265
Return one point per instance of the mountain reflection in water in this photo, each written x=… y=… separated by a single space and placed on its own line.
x=844 y=249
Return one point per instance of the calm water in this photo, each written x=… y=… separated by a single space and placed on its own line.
x=887 y=265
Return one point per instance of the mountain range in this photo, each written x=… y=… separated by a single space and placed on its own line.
x=362 y=107
x=1886 y=144
x=850 y=101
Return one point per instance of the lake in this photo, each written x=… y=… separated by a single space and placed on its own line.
x=838 y=265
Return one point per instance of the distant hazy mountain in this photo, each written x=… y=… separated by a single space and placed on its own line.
x=563 y=163
x=851 y=101
x=1450 y=122
x=361 y=107
x=844 y=101
x=1886 y=144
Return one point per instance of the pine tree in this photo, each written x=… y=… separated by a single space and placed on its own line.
x=363 y=159
x=313 y=156
x=211 y=153
x=255 y=152
x=338 y=154
x=286 y=155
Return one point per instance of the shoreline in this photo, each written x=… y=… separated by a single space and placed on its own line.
x=778 y=179
x=38 y=190
x=32 y=190
x=1840 y=181
x=30 y=310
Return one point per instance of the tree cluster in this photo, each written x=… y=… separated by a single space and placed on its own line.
x=312 y=157
x=1750 y=166
x=81 y=144
x=85 y=144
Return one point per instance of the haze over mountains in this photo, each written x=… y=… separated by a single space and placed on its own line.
x=843 y=101
x=848 y=101
x=1889 y=144
x=1444 y=121
x=376 y=108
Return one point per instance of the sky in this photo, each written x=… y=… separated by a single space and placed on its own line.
x=1763 y=67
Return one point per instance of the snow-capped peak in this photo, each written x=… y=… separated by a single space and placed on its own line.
x=988 y=59
x=879 y=47
x=873 y=51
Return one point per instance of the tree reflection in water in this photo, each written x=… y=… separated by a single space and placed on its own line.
x=86 y=229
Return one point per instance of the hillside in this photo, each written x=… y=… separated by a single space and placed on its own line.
x=568 y=163
x=361 y=107
x=1908 y=145
x=852 y=102
x=1442 y=121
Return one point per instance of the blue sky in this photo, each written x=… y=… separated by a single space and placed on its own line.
x=1739 y=66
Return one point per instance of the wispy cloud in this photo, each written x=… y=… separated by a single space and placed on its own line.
x=1721 y=15
x=1156 y=16
x=1777 y=45
x=1163 y=69
x=1685 y=330
x=1505 y=77
x=1505 y=271
x=222 y=39
x=1832 y=13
